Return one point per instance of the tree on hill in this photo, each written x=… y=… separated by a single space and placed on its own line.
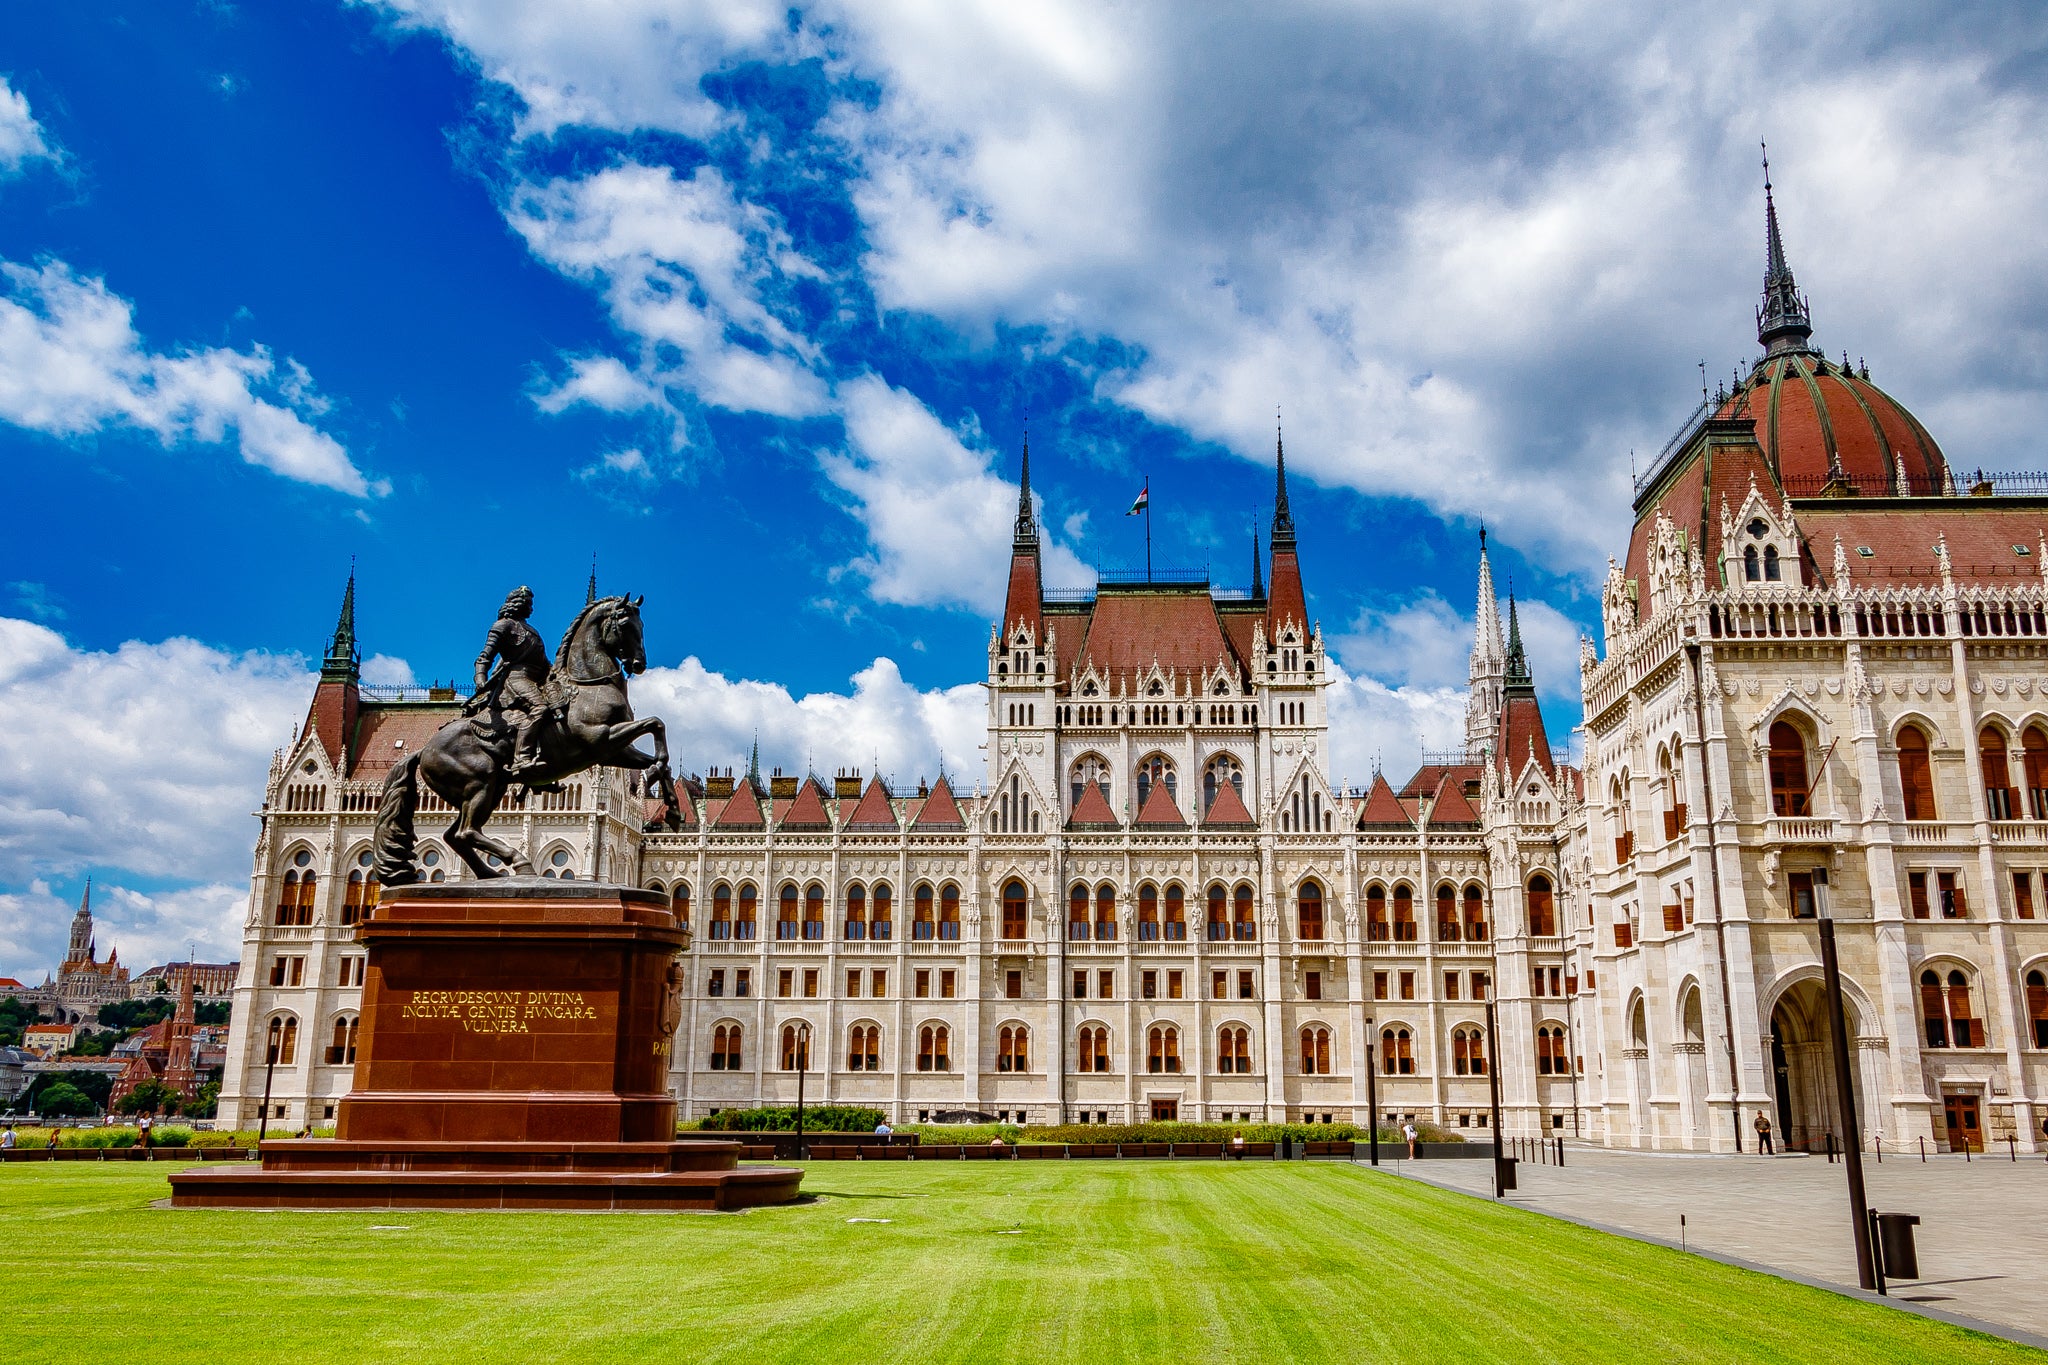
x=128 y=1015
x=14 y=1017
x=95 y=1087
x=64 y=1100
x=215 y=1013
x=150 y=1097
x=204 y=1102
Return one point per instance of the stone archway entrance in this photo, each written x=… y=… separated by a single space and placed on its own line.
x=1803 y=1068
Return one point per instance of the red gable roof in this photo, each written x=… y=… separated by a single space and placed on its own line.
x=874 y=811
x=1177 y=627
x=807 y=811
x=743 y=811
x=1382 y=808
x=1451 y=807
x=1227 y=809
x=1093 y=810
x=1521 y=731
x=1431 y=776
x=386 y=736
x=941 y=810
x=1159 y=810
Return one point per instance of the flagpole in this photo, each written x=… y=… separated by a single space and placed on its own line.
x=1148 y=528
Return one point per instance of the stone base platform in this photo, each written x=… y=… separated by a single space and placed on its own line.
x=610 y=1176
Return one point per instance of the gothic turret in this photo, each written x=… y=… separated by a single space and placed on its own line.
x=1286 y=601
x=338 y=697
x=1783 y=321
x=1487 y=673
x=1025 y=599
x=1522 y=735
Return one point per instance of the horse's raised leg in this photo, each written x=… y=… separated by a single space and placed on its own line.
x=470 y=843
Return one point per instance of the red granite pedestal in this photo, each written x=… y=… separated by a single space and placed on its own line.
x=513 y=1053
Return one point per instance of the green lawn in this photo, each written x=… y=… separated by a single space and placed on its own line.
x=1099 y=1261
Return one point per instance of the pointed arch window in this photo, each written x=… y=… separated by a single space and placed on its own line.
x=1219 y=913
x=1397 y=1052
x=1468 y=1052
x=1175 y=925
x=1446 y=913
x=1221 y=771
x=342 y=1050
x=1315 y=1051
x=1999 y=797
x=879 y=912
x=1789 y=794
x=1542 y=908
x=949 y=914
x=814 y=911
x=1156 y=771
x=786 y=917
x=1089 y=770
x=1013 y=1048
x=363 y=890
x=1945 y=1010
x=1475 y=914
x=1105 y=912
x=284 y=1039
x=1233 y=1051
x=1752 y=565
x=1376 y=913
x=750 y=904
x=725 y=1048
x=1162 y=1050
x=1550 y=1055
x=721 y=911
x=1308 y=912
x=1148 y=913
x=2037 y=1006
x=1916 y=774
x=1077 y=912
x=796 y=1048
x=2034 y=759
x=1244 y=922
x=933 y=1043
x=856 y=912
x=864 y=1048
x=922 y=923
x=1404 y=914
x=1013 y=909
x=679 y=903
x=1772 y=571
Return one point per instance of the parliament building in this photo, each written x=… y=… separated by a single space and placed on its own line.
x=1819 y=692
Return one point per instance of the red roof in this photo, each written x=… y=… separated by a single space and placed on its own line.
x=1284 y=598
x=807 y=811
x=1451 y=808
x=1382 y=808
x=1024 y=598
x=1814 y=416
x=940 y=811
x=1227 y=809
x=1177 y=628
x=874 y=811
x=9 y=983
x=1982 y=534
x=1092 y=809
x=743 y=811
x=1159 y=810
x=1521 y=727
x=1430 y=776
x=386 y=736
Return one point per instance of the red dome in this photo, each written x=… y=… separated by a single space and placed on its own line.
x=1817 y=420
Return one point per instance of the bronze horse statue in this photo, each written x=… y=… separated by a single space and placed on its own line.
x=587 y=723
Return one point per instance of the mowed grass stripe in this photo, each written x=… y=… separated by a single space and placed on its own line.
x=1110 y=1261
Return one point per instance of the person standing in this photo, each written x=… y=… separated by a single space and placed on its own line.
x=7 y=1139
x=144 y=1127
x=1408 y=1132
x=1763 y=1135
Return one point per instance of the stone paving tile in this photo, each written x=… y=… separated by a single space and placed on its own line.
x=1983 y=1236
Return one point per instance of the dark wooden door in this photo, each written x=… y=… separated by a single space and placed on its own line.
x=1963 y=1131
x=1165 y=1111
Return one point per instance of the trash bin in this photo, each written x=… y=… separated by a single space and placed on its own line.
x=1504 y=1172
x=1895 y=1239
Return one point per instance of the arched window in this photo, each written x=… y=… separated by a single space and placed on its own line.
x=1156 y=771
x=2037 y=1006
x=1013 y=1048
x=864 y=1048
x=1622 y=818
x=949 y=911
x=749 y=908
x=1550 y=1060
x=1475 y=914
x=342 y=1050
x=1013 y=909
x=1162 y=1049
x=725 y=1048
x=1219 y=912
x=1916 y=775
x=879 y=911
x=284 y=1039
x=1404 y=914
x=922 y=923
x=1945 y=1010
x=1233 y=1051
x=1788 y=770
x=1752 y=565
x=932 y=1044
x=796 y=1049
x=295 y=893
x=1175 y=927
x=1105 y=911
x=1221 y=771
x=1772 y=573
x=1468 y=1052
x=1094 y=1048
x=1089 y=770
x=786 y=917
x=1376 y=913
x=1397 y=1054
x=679 y=903
x=1446 y=913
x=721 y=911
x=1999 y=797
x=1077 y=911
x=1308 y=912
x=1315 y=1051
x=814 y=911
x=1148 y=912
x=1542 y=908
x=1671 y=781
x=856 y=912
x=1244 y=923
x=2034 y=755
x=363 y=890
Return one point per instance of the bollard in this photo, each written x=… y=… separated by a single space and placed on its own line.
x=1966 y=1151
x=1560 y=1151
x=1877 y=1145
x=2012 y=1146
x=1923 y=1151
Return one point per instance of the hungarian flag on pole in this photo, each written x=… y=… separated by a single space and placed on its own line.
x=1139 y=505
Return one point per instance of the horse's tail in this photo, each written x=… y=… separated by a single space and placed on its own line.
x=394 y=836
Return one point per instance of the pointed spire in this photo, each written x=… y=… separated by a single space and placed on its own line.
x=81 y=948
x=1519 y=681
x=1027 y=517
x=754 y=764
x=1258 y=569
x=1487 y=650
x=342 y=660
x=1283 y=518
x=590 y=593
x=1783 y=322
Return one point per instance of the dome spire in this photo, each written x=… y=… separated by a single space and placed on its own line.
x=1283 y=518
x=1518 y=682
x=1027 y=517
x=1783 y=322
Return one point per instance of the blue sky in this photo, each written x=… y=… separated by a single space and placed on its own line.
x=753 y=303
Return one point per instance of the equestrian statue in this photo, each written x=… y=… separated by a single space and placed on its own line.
x=530 y=724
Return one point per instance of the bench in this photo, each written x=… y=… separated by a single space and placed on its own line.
x=1145 y=1148
x=1041 y=1151
x=1198 y=1149
x=937 y=1151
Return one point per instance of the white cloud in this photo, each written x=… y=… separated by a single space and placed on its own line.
x=932 y=508
x=1374 y=726
x=383 y=670
x=21 y=137
x=72 y=363
x=145 y=928
x=682 y=266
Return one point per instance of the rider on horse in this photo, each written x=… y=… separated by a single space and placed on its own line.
x=519 y=679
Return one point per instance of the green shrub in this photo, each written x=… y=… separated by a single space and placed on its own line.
x=823 y=1118
x=966 y=1134
x=1222 y=1132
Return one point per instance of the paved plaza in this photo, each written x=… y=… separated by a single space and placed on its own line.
x=1983 y=1237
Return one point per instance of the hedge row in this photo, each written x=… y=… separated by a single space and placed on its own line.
x=818 y=1118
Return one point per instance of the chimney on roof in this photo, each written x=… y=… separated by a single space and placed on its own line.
x=846 y=785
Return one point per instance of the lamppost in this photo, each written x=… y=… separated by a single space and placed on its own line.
x=1571 y=1044
x=1372 y=1091
x=1500 y=1184
x=269 y=1070
x=803 y=1064
x=1845 y=1090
